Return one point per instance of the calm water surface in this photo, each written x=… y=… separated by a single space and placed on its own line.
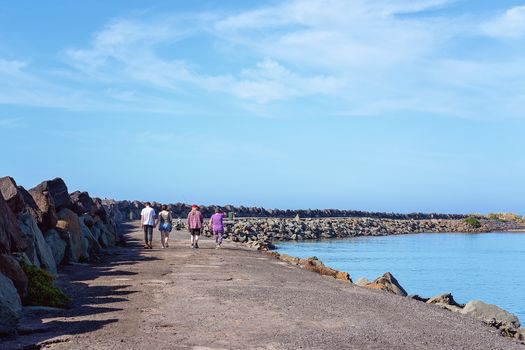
x=488 y=267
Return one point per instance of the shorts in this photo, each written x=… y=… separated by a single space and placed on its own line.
x=195 y=231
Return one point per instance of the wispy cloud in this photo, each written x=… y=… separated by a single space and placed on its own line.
x=365 y=57
x=511 y=24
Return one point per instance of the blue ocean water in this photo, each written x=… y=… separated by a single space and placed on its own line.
x=487 y=266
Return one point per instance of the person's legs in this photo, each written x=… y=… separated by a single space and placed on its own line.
x=162 y=234
x=192 y=238
x=150 y=236
x=166 y=238
x=219 y=237
x=197 y=234
x=145 y=236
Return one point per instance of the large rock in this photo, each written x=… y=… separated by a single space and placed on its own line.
x=38 y=250
x=10 y=268
x=46 y=214
x=82 y=202
x=57 y=189
x=492 y=315
x=10 y=235
x=446 y=299
x=315 y=265
x=68 y=221
x=57 y=244
x=99 y=210
x=388 y=283
x=89 y=242
x=10 y=304
x=9 y=190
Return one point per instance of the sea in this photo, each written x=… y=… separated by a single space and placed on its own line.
x=480 y=266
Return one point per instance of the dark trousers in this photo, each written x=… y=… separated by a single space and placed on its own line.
x=148 y=233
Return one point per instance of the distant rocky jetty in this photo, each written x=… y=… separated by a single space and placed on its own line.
x=259 y=227
x=261 y=233
x=131 y=210
x=46 y=226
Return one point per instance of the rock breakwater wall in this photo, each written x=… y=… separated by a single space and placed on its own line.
x=131 y=210
x=261 y=233
x=46 y=226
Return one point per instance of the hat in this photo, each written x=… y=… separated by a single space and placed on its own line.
x=194 y=206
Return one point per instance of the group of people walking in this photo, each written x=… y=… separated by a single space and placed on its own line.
x=195 y=224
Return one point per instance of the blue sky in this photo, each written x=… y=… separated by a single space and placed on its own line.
x=379 y=105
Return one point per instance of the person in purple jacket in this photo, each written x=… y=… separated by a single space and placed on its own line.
x=217 y=227
x=195 y=220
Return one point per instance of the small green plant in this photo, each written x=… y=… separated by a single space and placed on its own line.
x=40 y=289
x=473 y=222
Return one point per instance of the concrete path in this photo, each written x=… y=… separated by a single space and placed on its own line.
x=234 y=298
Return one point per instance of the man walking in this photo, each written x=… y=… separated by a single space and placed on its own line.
x=195 y=220
x=147 y=222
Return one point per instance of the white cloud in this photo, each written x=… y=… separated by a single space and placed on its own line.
x=361 y=57
x=511 y=24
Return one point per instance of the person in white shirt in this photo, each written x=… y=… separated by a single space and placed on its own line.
x=147 y=222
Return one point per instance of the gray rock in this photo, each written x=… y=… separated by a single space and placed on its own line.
x=82 y=202
x=9 y=190
x=446 y=298
x=91 y=242
x=363 y=281
x=69 y=221
x=10 y=304
x=44 y=254
x=11 y=239
x=57 y=245
x=491 y=314
x=10 y=268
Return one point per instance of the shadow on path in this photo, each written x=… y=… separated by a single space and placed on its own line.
x=41 y=326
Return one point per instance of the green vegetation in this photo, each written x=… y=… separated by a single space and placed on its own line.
x=473 y=222
x=40 y=289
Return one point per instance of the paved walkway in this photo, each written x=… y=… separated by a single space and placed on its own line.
x=233 y=298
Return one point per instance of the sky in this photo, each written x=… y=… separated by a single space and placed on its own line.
x=379 y=105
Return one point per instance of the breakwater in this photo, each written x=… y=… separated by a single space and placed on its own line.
x=261 y=233
x=45 y=227
x=131 y=210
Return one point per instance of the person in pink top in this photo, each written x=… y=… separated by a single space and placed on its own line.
x=217 y=227
x=195 y=220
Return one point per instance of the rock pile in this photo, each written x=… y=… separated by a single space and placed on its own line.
x=46 y=226
x=131 y=210
x=260 y=233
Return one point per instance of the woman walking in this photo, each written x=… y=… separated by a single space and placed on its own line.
x=217 y=227
x=195 y=220
x=165 y=226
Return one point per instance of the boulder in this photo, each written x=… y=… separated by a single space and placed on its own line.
x=69 y=221
x=46 y=213
x=493 y=315
x=388 y=283
x=10 y=235
x=82 y=202
x=10 y=304
x=446 y=299
x=90 y=243
x=57 y=189
x=315 y=265
x=57 y=244
x=363 y=281
x=418 y=298
x=99 y=210
x=520 y=334
x=10 y=268
x=38 y=250
x=9 y=190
